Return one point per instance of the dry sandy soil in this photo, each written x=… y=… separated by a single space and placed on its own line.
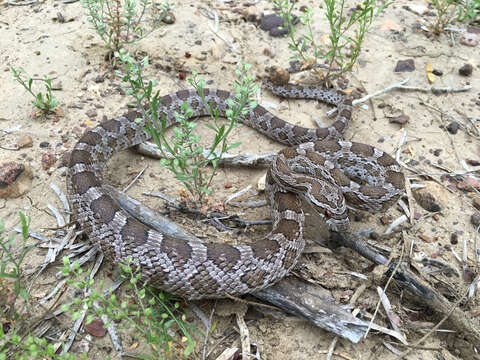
x=72 y=54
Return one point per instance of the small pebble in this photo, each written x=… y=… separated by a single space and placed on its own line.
x=269 y=51
x=169 y=18
x=44 y=144
x=24 y=141
x=60 y=18
x=466 y=70
x=48 y=160
x=473 y=162
x=274 y=24
x=9 y=172
x=91 y=113
x=469 y=39
x=400 y=119
x=405 y=66
x=453 y=127
x=426 y=200
x=437 y=152
x=475 y=219
x=99 y=79
x=437 y=72
x=96 y=328
x=279 y=75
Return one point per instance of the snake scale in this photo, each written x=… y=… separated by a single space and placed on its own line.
x=329 y=173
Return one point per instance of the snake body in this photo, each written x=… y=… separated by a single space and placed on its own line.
x=329 y=173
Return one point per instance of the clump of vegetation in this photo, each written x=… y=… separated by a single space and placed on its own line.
x=183 y=154
x=449 y=11
x=16 y=319
x=347 y=31
x=46 y=103
x=469 y=10
x=155 y=316
x=119 y=23
x=152 y=314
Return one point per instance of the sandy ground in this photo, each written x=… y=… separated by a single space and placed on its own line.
x=73 y=55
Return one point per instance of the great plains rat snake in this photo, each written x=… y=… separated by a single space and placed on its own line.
x=327 y=172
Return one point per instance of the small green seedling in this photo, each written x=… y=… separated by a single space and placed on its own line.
x=46 y=103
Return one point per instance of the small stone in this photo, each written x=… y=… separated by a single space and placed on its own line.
x=278 y=75
x=44 y=144
x=426 y=198
x=48 y=160
x=401 y=119
x=475 y=219
x=470 y=39
x=274 y=24
x=95 y=328
x=454 y=239
x=269 y=51
x=99 y=79
x=91 y=113
x=37 y=52
x=374 y=235
x=466 y=70
x=9 y=172
x=169 y=18
x=473 y=162
x=24 y=141
x=453 y=127
x=60 y=18
x=15 y=179
x=385 y=220
x=469 y=184
x=405 y=66
x=427 y=239
x=252 y=14
x=198 y=42
x=437 y=152
x=437 y=72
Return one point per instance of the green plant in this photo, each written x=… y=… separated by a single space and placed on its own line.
x=15 y=340
x=119 y=23
x=11 y=266
x=447 y=12
x=347 y=31
x=45 y=103
x=151 y=314
x=183 y=154
x=469 y=10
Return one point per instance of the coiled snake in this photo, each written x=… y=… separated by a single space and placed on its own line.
x=327 y=172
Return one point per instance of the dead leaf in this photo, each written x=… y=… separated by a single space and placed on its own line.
x=430 y=74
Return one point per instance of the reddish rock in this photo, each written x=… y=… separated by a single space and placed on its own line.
x=48 y=160
x=15 y=179
x=470 y=39
x=95 y=328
